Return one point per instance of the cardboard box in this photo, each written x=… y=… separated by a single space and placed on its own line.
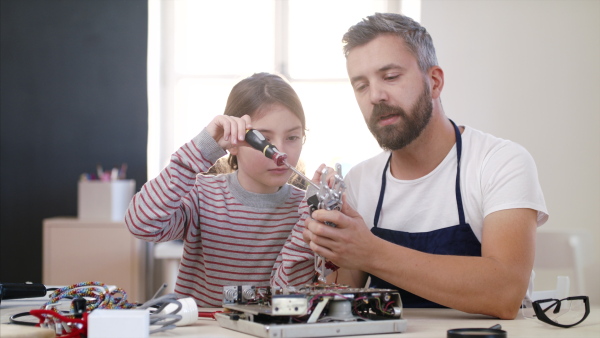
x=104 y=201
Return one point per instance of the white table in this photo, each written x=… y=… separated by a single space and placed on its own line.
x=421 y=323
x=430 y=323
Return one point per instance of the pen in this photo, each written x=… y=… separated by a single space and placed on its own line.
x=99 y=171
x=123 y=171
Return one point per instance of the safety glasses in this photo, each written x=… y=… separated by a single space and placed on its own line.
x=565 y=312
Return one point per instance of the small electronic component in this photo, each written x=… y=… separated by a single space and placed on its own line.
x=328 y=198
x=239 y=294
x=289 y=305
x=316 y=310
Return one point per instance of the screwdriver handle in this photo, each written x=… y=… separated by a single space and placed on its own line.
x=258 y=141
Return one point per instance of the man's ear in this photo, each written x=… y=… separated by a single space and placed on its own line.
x=436 y=76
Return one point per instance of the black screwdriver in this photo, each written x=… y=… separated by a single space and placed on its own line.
x=258 y=141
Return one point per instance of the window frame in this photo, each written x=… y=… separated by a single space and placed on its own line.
x=163 y=77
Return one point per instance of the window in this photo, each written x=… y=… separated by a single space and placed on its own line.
x=199 y=49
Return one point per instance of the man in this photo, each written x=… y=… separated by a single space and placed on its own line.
x=445 y=214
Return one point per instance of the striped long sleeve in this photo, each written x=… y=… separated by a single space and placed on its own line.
x=295 y=265
x=166 y=207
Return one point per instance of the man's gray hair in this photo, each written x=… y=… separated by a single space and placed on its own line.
x=415 y=36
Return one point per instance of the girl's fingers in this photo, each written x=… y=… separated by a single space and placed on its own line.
x=317 y=175
x=229 y=131
x=245 y=124
x=234 y=127
x=226 y=129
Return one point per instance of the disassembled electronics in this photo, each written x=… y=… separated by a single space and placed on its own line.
x=312 y=311
x=318 y=310
x=328 y=198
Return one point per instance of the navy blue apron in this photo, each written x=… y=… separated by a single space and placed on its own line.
x=454 y=240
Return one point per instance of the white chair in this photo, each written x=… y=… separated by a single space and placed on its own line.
x=561 y=291
x=560 y=253
x=169 y=254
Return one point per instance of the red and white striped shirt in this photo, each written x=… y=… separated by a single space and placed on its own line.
x=230 y=236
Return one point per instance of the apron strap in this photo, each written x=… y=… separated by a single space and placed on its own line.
x=459 y=203
x=461 y=212
x=381 y=193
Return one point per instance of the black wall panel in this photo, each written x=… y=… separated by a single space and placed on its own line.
x=72 y=95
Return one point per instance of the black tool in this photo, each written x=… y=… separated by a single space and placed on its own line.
x=21 y=290
x=258 y=141
x=492 y=332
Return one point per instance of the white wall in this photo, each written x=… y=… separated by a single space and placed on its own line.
x=529 y=71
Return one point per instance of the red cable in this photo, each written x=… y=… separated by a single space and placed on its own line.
x=76 y=332
x=202 y=314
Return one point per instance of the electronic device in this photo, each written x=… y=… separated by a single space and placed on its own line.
x=317 y=310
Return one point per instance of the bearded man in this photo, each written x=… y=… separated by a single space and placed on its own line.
x=446 y=214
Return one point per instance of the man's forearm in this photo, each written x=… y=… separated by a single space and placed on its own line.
x=470 y=284
x=493 y=284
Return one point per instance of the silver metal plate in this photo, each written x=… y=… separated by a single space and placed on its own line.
x=331 y=329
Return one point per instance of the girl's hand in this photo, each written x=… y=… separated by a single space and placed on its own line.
x=229 y=131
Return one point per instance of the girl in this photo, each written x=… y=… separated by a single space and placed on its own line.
x=233 y=225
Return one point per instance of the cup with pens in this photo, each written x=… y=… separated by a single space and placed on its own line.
x=105 y=194
x=116 y=173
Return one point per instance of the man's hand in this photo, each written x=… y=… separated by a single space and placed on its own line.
x=493 y=284
x=348 y=244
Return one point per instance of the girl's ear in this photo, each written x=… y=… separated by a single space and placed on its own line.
x=233 y=150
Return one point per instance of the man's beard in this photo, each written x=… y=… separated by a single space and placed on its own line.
x=398 y=135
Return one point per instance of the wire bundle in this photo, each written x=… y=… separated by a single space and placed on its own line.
x=104 y=297
x=166 y=320
x=88 y=296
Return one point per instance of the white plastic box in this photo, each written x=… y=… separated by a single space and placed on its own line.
x=119 y=323
x=104 y=201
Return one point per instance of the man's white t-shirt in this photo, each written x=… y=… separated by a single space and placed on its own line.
x=496 y=174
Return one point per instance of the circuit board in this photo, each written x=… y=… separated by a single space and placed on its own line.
x=311 y=311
